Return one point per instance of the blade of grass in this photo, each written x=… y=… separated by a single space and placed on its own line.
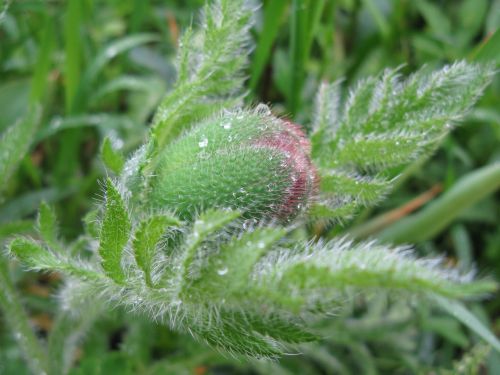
x=73 y=52
x=297 y=52
x=382 y=221
x=379 y=18
x=460 y=312
x=15 y=142
x=114 y=49
x=488 y=49
x=434 y=218
x=67 y=156
x=41 y=72
x=305 y=18
x=273 y=14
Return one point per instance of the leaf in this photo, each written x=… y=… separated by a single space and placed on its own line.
x=273 y=13
x=29 y=202
x=320 y=274
x=460 y=312
x=73 y=23
x=229 y=270
x=47 y=225
x=114 y=49
x=115 y=232
x=15 y=227
x=210 y=66
x=232 y=340
x=327 y=115
x=387 y=123
x=146 y=239
x=488 y=50
x=102 y=121
x=206 y=224
x=37 y=258
x=441 y=212
x=112 y=158
x=15 y=143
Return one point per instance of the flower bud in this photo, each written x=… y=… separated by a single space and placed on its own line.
x=249 y=161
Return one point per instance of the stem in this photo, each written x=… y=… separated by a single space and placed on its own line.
x=18 y=320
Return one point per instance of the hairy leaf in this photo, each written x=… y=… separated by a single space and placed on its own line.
x=115 y=232
x=210 y=65
x=111 y=157
x=387 y=123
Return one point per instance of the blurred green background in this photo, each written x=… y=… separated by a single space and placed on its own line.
x=100 y=69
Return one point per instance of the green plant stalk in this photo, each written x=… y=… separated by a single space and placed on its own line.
x=19 y=323
x=431 y=220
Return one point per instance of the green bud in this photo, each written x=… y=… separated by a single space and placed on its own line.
x=249 y=161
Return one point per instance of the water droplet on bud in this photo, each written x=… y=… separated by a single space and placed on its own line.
x=203 y=143
x=262 y=109
x=222 y=271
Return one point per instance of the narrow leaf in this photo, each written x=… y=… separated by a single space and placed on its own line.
x=47 y=225
x=37 y=258
x=115 y=232
x=435 y=217
x=146 y=239
x=15 y=142
x=229 y=270
x=112 y=158
x=460 y=312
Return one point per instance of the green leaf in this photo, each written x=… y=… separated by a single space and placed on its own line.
x=319 y=274
x=115 y=233
x=37 y=258
x=385 y=124
x=15 y=227
x=28 y=252
x=207 y=223
x=114 y=49
x=112 y=158
x=102 y=121
x=147 y=236
x=229 y=270
x=460 y=312
x=487 y=51
x=210 y=70
x=273 y=13
x=327 y=105
x=231 y=339
x=438 y=214
x=73 y=52
x=15 y=143
x=47 y=225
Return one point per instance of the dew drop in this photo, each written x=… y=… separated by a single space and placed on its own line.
x=203 y=143
x=262 y=109
x=261 y=245
x=222 y=271
x=226 y=125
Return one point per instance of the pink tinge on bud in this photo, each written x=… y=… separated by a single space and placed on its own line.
x=304 y=179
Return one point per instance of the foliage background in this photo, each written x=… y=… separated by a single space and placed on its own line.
x=109 y=63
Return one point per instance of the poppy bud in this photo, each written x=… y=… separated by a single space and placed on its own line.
x=249 y=161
